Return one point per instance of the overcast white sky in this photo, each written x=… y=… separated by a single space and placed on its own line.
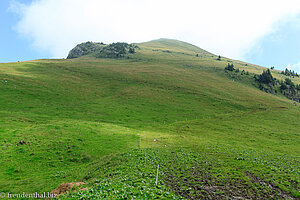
x=230 y=28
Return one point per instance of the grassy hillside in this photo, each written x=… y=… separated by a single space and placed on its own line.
x=110 y=122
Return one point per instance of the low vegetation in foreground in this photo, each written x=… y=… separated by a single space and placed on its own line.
x=166 y=106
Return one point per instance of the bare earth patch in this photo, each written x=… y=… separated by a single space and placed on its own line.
x=64 y=187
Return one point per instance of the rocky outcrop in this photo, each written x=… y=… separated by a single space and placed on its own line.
x=85 y=49
x=100 y=50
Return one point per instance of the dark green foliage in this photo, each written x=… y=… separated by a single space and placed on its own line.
x=290 y=90
x=289 y=73
x=229 y=67
x=116 y=50
x=283 y=86
x=270 y=85
x=85 y=49
x=266 y=77
x=267 y=83
x=219 y=58
x=289 y=82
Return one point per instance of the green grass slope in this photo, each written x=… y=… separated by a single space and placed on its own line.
x=110 y=122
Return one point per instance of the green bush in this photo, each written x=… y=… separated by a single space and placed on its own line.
x=229 y=67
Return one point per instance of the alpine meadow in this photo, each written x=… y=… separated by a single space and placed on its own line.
x=157 y=120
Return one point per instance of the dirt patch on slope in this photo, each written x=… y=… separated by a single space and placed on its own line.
x=65 y=187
